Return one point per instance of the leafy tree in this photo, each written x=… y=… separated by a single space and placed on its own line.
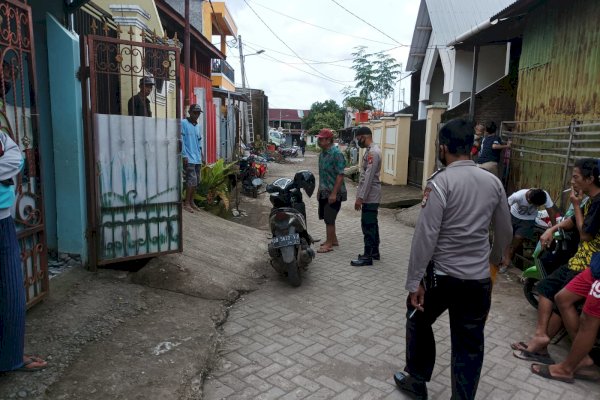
x=375 y=76
x=327 y=114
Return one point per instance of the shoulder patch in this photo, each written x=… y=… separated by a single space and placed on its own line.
x=425 y=197
x=435 y=173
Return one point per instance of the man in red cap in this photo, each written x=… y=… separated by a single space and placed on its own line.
x=332 y=190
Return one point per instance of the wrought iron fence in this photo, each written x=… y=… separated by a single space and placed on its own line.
x=219 y=66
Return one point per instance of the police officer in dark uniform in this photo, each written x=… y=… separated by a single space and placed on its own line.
x=446 y=274
x=139 y=104
x=368 y=197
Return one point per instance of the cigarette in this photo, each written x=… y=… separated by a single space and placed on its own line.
x=567 y=190
x=412 y=313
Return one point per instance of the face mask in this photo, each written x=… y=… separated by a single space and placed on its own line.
x=361 y=143
x=442 y=156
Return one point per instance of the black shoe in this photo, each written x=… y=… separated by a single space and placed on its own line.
x=362 y=261
x=376 y=256
x=415 y=388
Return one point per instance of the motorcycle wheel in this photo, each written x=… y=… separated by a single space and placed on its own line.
x=293 y=273
x=530 y=291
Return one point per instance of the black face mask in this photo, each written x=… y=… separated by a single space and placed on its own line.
x=361 y=143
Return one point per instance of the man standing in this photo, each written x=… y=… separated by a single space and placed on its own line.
x=444 y=274
x=491 y=147
x=332 y=190
x=192 y=155
x=368 y=197
x=139 y=104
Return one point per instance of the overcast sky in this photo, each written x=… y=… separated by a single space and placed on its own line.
x=286 y=79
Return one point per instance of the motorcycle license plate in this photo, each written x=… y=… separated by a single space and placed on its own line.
x=287 y=240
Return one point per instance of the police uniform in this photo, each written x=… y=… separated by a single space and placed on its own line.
x=450 y=256
x=369 y=190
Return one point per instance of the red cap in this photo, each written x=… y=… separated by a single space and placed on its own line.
x=325 y=133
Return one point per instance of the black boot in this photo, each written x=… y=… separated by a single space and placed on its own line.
x=362 y=261
x=414 y=388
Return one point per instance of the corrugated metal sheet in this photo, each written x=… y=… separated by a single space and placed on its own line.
x=450 y=19
x=420 y=39
x=560 y=62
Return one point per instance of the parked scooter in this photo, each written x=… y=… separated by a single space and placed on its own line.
x=249 y=176
x=289 y=151
x=546 y=261
x=290 y=248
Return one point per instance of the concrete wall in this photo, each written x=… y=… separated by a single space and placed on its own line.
x=392 y=135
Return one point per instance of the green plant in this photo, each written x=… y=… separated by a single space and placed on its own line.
x=214 y=186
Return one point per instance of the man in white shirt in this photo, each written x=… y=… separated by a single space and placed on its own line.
x=524 y=206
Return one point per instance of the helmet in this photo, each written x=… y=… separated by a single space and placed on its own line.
x=305 y=180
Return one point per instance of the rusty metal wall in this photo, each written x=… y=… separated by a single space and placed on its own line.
x=543 y=154
x=559 y=68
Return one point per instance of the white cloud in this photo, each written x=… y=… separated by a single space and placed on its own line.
x=286 y=86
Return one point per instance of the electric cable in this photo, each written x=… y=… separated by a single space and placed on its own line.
x=318 y=26
x=372 y=26
x=286 y=45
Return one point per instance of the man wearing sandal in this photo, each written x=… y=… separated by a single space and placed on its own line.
x=332 y=190
x=584 y=180
x=578 y=364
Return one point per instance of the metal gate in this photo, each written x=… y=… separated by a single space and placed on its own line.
x=18 y=118
x=133 y=161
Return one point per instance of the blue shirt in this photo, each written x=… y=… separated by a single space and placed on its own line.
x=192 y=142
x=487 y=153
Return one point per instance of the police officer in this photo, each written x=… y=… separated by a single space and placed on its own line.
x=449 y=265
x=368 y=197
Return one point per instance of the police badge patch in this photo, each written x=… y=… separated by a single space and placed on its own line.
x=425 y=197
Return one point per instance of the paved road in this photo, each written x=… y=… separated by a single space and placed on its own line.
x=341 y=334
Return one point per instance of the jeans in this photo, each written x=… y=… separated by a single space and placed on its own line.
x=468 y=303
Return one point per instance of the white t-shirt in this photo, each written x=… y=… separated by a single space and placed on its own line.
x=522 y=209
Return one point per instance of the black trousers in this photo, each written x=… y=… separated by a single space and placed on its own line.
x=468 y=303
x=370 y=227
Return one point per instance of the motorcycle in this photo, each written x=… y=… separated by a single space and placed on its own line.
x=249 y=176
x=547 y=261
x=290 y=247
x=289 y=151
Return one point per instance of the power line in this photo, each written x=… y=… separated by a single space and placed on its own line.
x=317 y=26
x=313 y=62
x=372 y=26
x=286 y=45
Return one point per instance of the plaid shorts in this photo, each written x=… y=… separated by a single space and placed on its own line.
x=192 y=174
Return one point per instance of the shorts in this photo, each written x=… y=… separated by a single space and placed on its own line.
x=329 y=212
x=522 y=227
x=585 y=285
x=192 y=174
x=556 y=281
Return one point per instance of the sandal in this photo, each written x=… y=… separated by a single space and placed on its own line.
x=542 y=358
x=518 y=346
x=324 y=249
x=544 y=372
x=29 y=364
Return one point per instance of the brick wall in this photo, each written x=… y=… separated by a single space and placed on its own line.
x=496 y=103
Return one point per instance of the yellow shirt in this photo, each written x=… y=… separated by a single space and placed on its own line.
x=591 y=215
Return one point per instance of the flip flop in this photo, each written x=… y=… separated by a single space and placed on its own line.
x=544 y=372
x=324 y=249
x=543 y=358
x=518 y=346
x=592 y=375
x=188 y=209
x=28 y=367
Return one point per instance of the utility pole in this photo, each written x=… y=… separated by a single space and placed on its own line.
x=186 y=54
x=243 y=70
